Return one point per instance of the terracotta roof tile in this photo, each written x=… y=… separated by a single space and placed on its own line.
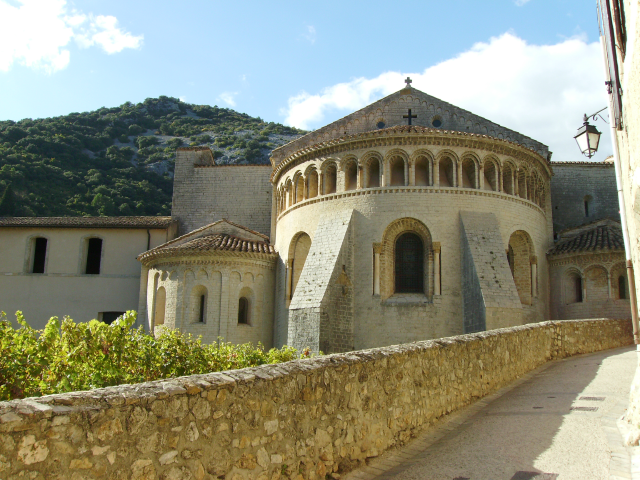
x=598 y=238
x=217 y=242
x=87 y=222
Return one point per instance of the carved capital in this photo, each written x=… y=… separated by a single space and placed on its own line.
x=534 y=260
x=436 y=247
x=377 y=248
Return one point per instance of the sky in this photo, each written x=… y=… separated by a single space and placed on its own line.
x=534 y=66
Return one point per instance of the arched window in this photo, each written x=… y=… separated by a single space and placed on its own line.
x=351 y=176
x=397 y=171
x=330 y=175
x=468 y=173
x=298 y=255
x=573 y=288
x=373 y=173
x=409 y=264
x=161 y=299
x=622 y=288
x=312 y=181
x=38 y=254
x=422 y=171
x=490 y=176
x=520 y=252
x=243 y=311
x=299 y=195
x=507 y=179
x=446 y=172
x=199 y=304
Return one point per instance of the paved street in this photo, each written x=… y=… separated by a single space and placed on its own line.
x=558 y=422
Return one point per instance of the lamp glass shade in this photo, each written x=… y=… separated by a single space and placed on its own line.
x=588 y=138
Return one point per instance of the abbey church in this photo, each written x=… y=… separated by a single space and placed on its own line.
x=407 y=220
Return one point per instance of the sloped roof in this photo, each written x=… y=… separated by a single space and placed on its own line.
x=393 y=111
x=599 y=236
x=87 y=222
x=223 y=237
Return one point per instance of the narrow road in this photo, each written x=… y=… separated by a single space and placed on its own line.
x=557 y=422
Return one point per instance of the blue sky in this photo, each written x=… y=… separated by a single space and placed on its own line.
x=534 y=66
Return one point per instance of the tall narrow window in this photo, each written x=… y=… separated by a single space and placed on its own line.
x=243 y=311
x=409 y=264
x=622 y=287
x=587 y=205
x=94 y=256
x=39 y=255
x=201 y=310
x=577 y=285
x=330 y=179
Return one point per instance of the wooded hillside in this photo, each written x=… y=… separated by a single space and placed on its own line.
x=119 y=161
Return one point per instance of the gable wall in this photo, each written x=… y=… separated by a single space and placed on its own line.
x=569 y=186
x=204 y=194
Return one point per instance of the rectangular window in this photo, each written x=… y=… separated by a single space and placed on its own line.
x=109 y=317
x=94 y=256
x=39 y=255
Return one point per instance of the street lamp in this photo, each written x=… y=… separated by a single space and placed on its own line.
x=588 y=136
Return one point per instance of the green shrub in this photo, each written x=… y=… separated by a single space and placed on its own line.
x=69 y=356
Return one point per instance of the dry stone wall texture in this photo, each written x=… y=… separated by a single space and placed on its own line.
x=297 y=420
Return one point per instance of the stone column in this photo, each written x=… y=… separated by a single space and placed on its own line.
x=534 y=276
x=609 y=285
x=584 y=288
x=481 y=178
x=412 y=174
x=436 y=268
x=305 y=188
x=436 y=174
x=320 y=183
x=360 y=181
x=377 y=250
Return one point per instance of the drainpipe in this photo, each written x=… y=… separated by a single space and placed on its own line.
x=623 y=209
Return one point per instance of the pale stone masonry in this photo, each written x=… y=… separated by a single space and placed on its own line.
x=489 y=291
x=204 y=192
x=298 y=420
x=473 y=198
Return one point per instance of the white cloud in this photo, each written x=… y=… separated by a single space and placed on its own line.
x=541 y=91
x=228 y=98
x=311 y=34
x=36 y=33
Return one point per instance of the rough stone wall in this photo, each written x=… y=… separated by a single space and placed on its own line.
x=496 y=289
x=321 y=310
x=572 y=182
x=205 y=193
x=298 y=420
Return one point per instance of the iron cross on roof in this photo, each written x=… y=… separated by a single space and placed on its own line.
x=409 y=117
x=408 y=81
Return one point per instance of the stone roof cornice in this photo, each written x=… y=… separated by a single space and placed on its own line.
x=87 y=222
x=410 y=136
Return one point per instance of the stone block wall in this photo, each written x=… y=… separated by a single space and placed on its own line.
x=298 y=420
x=572 y=182
x=204 y=193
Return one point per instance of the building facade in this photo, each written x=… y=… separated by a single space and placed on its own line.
x=83 y=267
x=406 y=220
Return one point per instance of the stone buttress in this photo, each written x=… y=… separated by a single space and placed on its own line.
x=490 y=296
x=321 y=310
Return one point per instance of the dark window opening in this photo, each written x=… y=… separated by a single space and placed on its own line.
x=511 y=260
x=110 y=317
x=409 y=264
x=243 y=311
x=578 y=287
x=94 y=256
x=39 y=255
x=201 y=312
x=622 y=288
